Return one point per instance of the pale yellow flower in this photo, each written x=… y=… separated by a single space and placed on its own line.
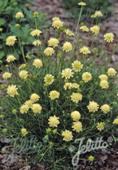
x=36 y=32
x=53 y=42
x=105 y=108
x=19 y=15
x=76 y=97
x=57 y=23
x=69 y=86
x=111 y=72
x=84 y=28
x=103 y=77
x=97 y=14
x=77 y=66
x=95 y=29
x=104 y=84
x=100 y=126
x=34 y=97
x=24 y=108
x=53 y=121
x=48 y=79
x=49 y=51
x=6 y=75
x=67 y=73
x=23 y=74
x=86 y=77
x=77 y=126
x=93 y=106
x=22 y=66
x=69 y=32
x=10 y=58
x=109 y=37
x=36 y=108
x=53 y=95
x=37 y=63
x=115 y=122
x=24 y=132
x=85 y=50
x=11 y=40
x=75 y=115
x=67 y=47
x=36 y=43
x=29 y=103
x=67 y=135
x=91 y=158
x=82 y=3
x=12 y=90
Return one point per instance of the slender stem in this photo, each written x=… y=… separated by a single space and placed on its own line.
x=77 y=30
x=22 y=51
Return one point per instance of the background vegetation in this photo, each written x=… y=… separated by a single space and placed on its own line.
x=92 y=5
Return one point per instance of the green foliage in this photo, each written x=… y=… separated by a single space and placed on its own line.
x=9 y=25
x=92 y=6
x=53 y=151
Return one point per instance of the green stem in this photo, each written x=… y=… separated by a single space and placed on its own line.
x=22 y=51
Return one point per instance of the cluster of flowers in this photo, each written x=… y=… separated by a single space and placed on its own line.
x=66 y=74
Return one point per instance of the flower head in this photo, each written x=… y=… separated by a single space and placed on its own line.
x=69 y=32
x=48 y=79
x=86 y=77
x=53 y=95
x=95 y=29
x=75 y=115
x=37 y=63
x=77 y=126
x=82 y=3
x=10 y=58
x=84 y=28
x=53 y=42
x=36 y=108
x=67 y=73
x=36 y=32
x=28 y=103
x=53 y=121
x=69 y=86
x=85 y=50
x=105 y=108
x=34 y=97
x=10 y=40
x=104 y=84
x=97 y=14
x=12 y=90
x=109 y=37
x=23 y=74
x=57 y=23
x=115 y=122
x=93 y=106
x=67 y=47
x=100 y=126
x=19 y=15
x=24 y=108
x=77 y=66
x=49 y=51
x=6 y=75
x=103 y=77
x=24 y=132
x=76 y=97
x=91 y=158
x=37 y=43
x=67 y=135
x=111 y=72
